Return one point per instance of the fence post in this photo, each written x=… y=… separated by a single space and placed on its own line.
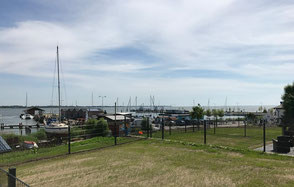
x=204 y=131
x=115 y=130
x=150 y=127
x=214 y=126
x=12 y=180
x=264 y=136
x=193 y=126
x=162 y=129
x=125 y=123
x=169 y=128
x=185 y=127
x=245 y=123
x=68 y=139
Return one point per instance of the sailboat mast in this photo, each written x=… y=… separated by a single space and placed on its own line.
x=58 y=86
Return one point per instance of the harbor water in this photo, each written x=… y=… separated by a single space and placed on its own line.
x=11 y=116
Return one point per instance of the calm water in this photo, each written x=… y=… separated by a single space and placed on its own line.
x=10 y=116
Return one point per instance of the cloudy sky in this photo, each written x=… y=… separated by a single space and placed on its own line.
x=177 y=51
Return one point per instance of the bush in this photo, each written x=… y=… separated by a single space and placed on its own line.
x=40 y=135
x=96 y=127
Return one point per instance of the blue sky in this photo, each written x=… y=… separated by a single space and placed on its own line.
x=177 y=51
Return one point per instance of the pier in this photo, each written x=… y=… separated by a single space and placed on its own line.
x=19 y=126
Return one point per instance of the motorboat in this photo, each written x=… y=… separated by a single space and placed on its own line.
x=26 y=116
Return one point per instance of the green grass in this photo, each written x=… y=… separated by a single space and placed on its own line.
x=27 y=155
x=161 y=163
x=232 y=137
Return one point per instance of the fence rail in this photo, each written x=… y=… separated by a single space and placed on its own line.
x=9 y=179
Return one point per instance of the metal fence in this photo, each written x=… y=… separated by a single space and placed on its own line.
x=235 y=134
x=9 y=179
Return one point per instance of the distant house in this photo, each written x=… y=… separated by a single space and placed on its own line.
x=115 y=123
x=81 y=113
x=34 y=111
x=278 y=113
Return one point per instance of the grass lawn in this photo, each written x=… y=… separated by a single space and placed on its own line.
x=231 y=137
x=158 y=163
x=27 y=155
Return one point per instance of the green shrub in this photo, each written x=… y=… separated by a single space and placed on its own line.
x=96 y=127
x=40 y=135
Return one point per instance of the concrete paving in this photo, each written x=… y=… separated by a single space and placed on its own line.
x=269 y=149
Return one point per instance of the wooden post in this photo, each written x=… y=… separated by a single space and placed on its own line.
x=150 y=127
x=11 y=177
x=193 y=126
x=169 y=128
x=185 y=127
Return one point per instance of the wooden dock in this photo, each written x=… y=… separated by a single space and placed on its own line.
x=3 y=126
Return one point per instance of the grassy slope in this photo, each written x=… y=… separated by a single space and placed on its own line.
x=157 y=163
x=232 y=137
x=21 y=156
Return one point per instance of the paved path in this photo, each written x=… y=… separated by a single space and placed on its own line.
x=269 y=149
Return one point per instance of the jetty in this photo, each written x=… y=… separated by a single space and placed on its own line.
x=19 y=126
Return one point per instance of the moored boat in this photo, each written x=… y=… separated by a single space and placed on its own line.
x=55 y=127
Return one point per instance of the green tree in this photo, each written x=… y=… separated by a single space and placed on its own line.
x=208 y=113
x=221 y=113
x=288 y=106
x=197 y=113
x=96 y=127
x=215 y=114
x=251 y=117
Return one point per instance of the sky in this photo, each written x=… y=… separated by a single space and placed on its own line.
x=180 y=52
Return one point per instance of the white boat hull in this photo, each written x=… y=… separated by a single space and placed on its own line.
x=56 y=129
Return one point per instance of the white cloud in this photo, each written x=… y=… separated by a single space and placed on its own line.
x=237 y=37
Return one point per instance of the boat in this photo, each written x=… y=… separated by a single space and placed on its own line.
x=26 y=116
x=54 y=127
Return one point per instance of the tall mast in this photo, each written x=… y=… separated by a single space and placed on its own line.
x=58 y=86
x=26 y=99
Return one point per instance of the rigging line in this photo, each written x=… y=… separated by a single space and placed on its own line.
x=52 y=95
x=63 y=81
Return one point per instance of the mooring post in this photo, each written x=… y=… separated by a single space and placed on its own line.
x=264 y=136
x=11 y=177
x=68 y=139
x=162 y=129
x=204 y=131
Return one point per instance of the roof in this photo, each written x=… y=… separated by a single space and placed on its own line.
x=279 y=107
x=95 y=110
x=34 y=108
x=118 y=117
x=4 y=147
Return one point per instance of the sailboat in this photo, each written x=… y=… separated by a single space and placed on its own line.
x=56 y=127
x=26 y=115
